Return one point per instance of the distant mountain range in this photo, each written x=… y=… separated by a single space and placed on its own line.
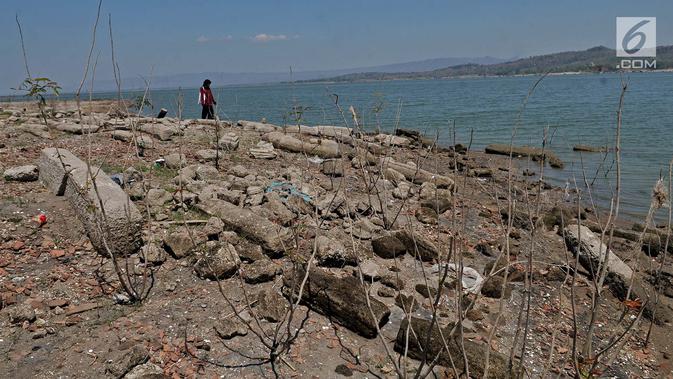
x=596 y=59
x=224 y=78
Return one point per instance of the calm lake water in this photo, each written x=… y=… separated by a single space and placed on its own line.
x=577 y=109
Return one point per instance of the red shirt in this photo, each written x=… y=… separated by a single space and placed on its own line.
x=206 y=96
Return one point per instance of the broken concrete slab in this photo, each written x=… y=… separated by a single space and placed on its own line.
x=273 y=238
x=110 y=218
x=341 y=299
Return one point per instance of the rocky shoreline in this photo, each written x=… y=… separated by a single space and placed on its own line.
x=256 y=249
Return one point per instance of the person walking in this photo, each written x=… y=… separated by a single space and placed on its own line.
x=207 y=101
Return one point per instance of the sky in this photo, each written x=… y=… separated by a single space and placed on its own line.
x=166 y=37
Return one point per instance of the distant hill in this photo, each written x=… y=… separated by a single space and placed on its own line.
x=224 y=78
x=596 y=59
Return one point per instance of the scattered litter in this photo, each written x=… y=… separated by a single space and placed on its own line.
x=286 y=189
x=471 y=279
x=159 y=163
x=41 y=219
x=316 y=160
x=118 y=178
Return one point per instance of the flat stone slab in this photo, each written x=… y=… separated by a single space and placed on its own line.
x=110 y=218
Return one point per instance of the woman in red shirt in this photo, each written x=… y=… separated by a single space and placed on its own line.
x=206 y=100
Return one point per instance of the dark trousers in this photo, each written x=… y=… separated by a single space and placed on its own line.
x=207 y=112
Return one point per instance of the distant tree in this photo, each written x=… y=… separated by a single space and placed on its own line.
x=38 y=88
x=140 y=102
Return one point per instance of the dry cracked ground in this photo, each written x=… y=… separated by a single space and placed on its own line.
x=253 y=250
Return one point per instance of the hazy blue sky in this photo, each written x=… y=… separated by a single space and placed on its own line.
x=271 y=35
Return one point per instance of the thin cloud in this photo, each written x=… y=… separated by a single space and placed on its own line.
x=263 y=37
x=204 y=39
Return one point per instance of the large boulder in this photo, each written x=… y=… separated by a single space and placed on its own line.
x=111 y=220
x=340 y=298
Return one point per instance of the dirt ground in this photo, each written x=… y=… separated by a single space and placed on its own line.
x=76 y=327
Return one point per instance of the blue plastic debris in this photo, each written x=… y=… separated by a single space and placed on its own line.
x=286 y=189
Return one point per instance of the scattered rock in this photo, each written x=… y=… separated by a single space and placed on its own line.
x=153 y=254
x=175 y=161
x=385 y=292
x=402 y=191
x=392 y=281
x=218 y=262
x=28 y=173
x=342 y=299
x=271 y=306
x=427 y=216
x=146 y=371
x=364 y=229
x=370 y=270
x=259 y=271
x=230 y=327
x=273 y=238
x=388 y=247
x=157 y=197
x=492 y=287
x=332 y=167
x=133 y=357
x=331 y=253
x=415 y=346
x=213 y=227
x=180 y=244
x=263 y=150
x=417 y=245
x=21 y=313
x=343 y=370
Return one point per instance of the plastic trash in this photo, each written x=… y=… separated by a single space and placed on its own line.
x=41 y=219
x=286 y=189
x=118 y=178
x=471 y=279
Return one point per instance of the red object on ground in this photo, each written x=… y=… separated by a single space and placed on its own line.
x=42 y=219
